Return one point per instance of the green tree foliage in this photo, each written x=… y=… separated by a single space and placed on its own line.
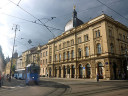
x=3 y=64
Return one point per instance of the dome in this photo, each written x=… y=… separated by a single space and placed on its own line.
x=73 y=23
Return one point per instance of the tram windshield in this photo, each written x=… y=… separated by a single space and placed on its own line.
x=35 y=69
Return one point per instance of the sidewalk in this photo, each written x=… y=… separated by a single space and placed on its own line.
x=13 y=82
x=78 y=79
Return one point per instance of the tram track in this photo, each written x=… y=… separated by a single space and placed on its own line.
x=96 y=91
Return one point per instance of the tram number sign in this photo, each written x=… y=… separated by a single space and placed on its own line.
x=83 y=67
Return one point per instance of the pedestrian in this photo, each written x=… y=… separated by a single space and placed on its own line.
x=97 y=77
x=119 y=74
x=47 y=74
x=122 y=76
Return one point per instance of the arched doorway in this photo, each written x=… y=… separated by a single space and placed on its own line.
x=64 y=71
x=55 y=71
x=50 y=72
x=88 y=72
x=73 y=71
x=114 y=70
x=68 y=71
x=100 y=70
x=80 y=71
x=59 y=71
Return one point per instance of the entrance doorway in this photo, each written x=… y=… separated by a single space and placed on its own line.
x=64 y=72
x=88 y=70
x=59 y=71
x=114 y=70
x=55 y=71
x=100 y=70
x=73 y=71
x=80 y=71
x=50 y=72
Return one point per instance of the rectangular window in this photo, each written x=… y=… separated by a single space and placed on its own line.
x=72 y=53
x=43 y=61
x=50 y=59
x=46 y=61
x=68 y=43
x=120 y=36
x=123 y=37
x=43 y=54
x=72 y=42
x=55 y=48
x=56 y=57
x=68 y=54
x=60 y=47
x=64 y=44
x=110 y=32
x=79 y=40
x=46 y=53
x=86 y=37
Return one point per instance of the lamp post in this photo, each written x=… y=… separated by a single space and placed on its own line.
x=16 y=27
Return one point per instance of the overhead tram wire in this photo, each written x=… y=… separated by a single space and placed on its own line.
x=29 y=21
x=113 y=10
x=33 y=17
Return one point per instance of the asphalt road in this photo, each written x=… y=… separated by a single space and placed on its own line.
x=65 y=87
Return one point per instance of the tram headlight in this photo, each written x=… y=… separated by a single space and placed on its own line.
x=33 y=77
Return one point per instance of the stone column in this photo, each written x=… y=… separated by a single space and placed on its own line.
x=62 y=72
x=57 y=71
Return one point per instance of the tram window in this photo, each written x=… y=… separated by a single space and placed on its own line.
x=34 y=70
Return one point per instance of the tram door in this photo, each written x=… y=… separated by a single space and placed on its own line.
x=73 y=71
x=80 y=71
x=88 y=71
x=100 y=70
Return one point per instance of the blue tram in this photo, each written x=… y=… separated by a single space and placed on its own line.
x=32 y=74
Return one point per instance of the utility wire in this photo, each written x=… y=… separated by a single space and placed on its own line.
x=113 y=10
x=33 y=17
x=29 y=21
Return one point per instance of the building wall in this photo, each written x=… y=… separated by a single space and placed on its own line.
x=102 y=30
x=43 y=60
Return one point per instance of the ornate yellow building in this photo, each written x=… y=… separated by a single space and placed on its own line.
x=85 y=50
x=43 y=60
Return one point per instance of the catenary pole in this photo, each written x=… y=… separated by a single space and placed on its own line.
x=16 y=28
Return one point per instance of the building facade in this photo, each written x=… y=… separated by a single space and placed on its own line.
x=43 y=60
x=85 y=50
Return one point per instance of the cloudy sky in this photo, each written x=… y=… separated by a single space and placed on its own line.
x=27 y=13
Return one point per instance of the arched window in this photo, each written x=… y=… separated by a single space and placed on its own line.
x=87 y=51
x=98 y=49
x=79 y=52
x=112 y=48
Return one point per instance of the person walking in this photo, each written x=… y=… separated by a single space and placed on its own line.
x=97 y=77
